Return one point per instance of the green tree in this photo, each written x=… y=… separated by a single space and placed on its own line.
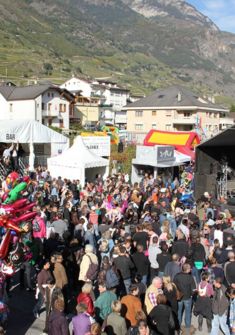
x=48 y=68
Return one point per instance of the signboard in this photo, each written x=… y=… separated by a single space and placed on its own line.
x=158 y=154
x=165 y=154
x=99 y=145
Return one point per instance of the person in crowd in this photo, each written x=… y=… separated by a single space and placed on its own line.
x=141 y=263
x=59 y=272
x=125 y=266
x=103 y=303
x=81 y=323
x=186 y=285
x=51 y=294
x=86 y=298
x=153 y=252
x=60 y=226
x=42 y=280
x=220 y=304
x=151 y=294
x=173 y=267
x=58 y=324
x=203 y=305
x=161 y=317
x=115 y=323
x=88 y=259
x=131 y=305
x=163 y=258
x=229 y=268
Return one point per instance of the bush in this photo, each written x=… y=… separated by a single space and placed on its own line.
x=124 y=159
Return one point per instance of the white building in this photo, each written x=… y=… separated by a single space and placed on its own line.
x=111 y=96
x=76 y=85
x=47 y=104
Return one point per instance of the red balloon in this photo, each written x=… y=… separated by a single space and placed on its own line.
x=26 y=208
x=5 y=195
x=4 y=246
x=25 y=217
x=11 y=225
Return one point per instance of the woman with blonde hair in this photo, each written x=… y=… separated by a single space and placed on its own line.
x=95 y=329
x=85 y=297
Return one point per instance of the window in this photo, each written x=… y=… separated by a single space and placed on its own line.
x=49 y=107
x=138 y=126
x=168 y=113
x=48 y=94
x=154 y=113
x=154 y=126
x=138 y=113
x=64 y=108
x=187 y=114
x=168 y=127
x=43 y=106
x=11 y=108
x=61 y=123
x=52 y=95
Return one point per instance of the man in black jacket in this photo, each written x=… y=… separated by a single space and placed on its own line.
x=186 y=285
x=124 y=266
x=141 y=263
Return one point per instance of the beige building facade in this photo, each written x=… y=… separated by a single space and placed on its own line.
x=183 y=111
x=86 y=111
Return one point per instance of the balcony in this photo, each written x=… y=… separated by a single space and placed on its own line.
x=50 y=113
x=184 y=120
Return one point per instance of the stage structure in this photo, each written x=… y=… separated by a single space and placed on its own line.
x=215 y=166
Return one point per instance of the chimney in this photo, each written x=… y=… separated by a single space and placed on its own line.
x=179 y=97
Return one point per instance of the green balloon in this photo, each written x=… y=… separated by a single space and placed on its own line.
x=14 y=194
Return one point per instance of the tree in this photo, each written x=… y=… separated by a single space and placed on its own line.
x=48 y=68
x=232 y=109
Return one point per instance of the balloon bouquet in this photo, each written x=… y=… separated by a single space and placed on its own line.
x=16 y=212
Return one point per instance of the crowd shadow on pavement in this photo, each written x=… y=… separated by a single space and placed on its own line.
x=21 y=317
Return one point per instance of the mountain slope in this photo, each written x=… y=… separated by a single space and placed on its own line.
x=144 y=44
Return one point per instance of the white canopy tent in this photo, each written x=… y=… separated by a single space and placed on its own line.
x=31 y=132
x=78 y=162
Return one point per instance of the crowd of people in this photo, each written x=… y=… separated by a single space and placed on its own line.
x=116 y=258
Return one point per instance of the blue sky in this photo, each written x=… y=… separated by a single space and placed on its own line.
x=222 y=12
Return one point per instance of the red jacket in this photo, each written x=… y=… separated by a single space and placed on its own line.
x=86 y=299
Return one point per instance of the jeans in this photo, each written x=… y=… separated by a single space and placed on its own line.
x=160 y=274
x=127 y=283
x=219 y=322
x=39 y=304
x=144 y=279
x=187 y=304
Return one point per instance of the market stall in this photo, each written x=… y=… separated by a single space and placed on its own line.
x=151 y=159
x=184 y=142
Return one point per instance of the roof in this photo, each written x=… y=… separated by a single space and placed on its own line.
x=174 y=96
x=28 y=131
x=12 y=93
